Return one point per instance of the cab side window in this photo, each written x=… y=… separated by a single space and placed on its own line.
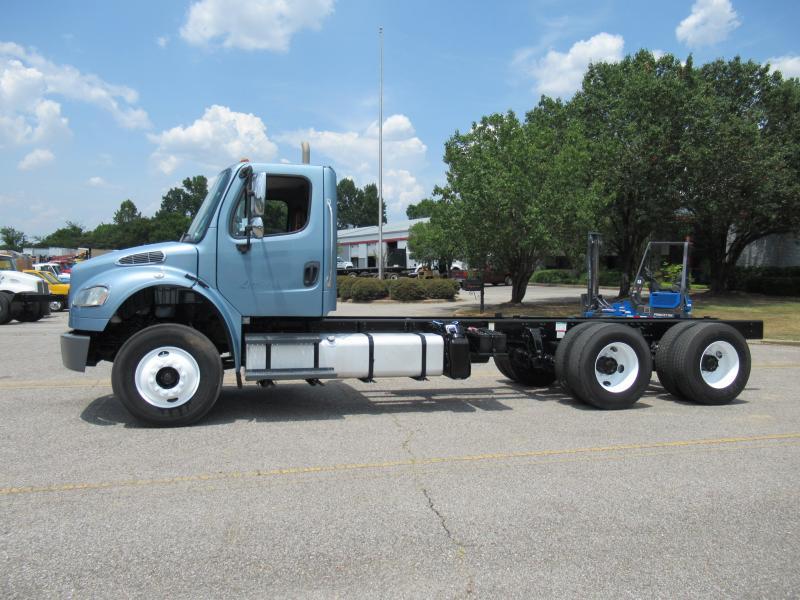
x=286 y=209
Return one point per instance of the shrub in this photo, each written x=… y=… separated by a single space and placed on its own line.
x=406 y=289
x=608 y=278
x=565 y=276
x=368 y=288
x=441 y=289
x=554 y=276
x=773 y=281
x=344 y=285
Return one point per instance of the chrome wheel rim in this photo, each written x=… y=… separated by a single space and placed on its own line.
x=616 y=367
x=167 y=377
x=719 y=364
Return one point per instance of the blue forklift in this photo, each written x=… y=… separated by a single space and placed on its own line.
x=656 y=291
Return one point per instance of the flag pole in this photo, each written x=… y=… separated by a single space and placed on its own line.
x=380 y=166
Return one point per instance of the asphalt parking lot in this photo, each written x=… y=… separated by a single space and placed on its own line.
x=406 y=489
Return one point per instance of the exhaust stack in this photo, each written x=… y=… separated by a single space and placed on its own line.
x=306 y=153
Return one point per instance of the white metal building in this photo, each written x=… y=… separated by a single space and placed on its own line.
x=360 y=245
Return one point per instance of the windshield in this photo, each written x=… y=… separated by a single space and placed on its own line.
x=49 y=277
x=198 y=227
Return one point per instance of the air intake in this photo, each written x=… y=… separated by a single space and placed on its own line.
x=142 y=258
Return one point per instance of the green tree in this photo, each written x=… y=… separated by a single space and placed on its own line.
x=433 y=241
x=127 y=213
x=511 y=184
x=185 y=200
x=368 y=213
x=357 y=207
x=13 y=239
x=168 y=227
x=740 y=154
x=178 y=207
x=423 y=208
x=72 y=235
x=633 y=113
x=347 y=198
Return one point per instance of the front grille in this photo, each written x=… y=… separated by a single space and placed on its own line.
x=142 y=258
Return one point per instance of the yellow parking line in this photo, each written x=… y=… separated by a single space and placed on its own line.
x=230 y=475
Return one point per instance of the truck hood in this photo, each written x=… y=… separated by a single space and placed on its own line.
x=18 y=281
x=173 y=254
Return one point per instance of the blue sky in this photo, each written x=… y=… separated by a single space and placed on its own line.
x=100 y=102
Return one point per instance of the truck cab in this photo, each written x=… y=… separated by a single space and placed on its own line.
x=262 y=245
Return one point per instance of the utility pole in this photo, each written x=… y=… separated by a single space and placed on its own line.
x=380 y=166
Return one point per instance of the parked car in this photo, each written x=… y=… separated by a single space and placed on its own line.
x=59 y=291
x=490 y=276
x=343 y=264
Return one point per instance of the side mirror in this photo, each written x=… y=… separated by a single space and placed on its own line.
x=257 y=227
x=258 y=194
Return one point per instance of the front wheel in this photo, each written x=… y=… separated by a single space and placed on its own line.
x=56 y=305
x=31 y=313
x=5 y=309
x=167 y=375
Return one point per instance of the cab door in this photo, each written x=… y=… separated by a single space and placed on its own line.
x=281 y=274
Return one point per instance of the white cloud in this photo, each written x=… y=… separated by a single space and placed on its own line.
x=354 y=154
x=400 y=188
x=96 y=182
x=789 y=66
x=709 y=22
x=27 y=79
x=162 y=41
x=561 y=73
x=219 y=137
x=253 y=24
x=36 y=158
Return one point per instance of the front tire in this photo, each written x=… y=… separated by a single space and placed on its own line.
x=5 y=309
x=167 y=375
x=31 y=313
x=56 y=305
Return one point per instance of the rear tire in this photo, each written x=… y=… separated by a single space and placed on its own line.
x=523 y=374
x=167 y=375
x=5 y=309
x=563 y=351
x=508 y=280
x=711 y=363
x=666 y=347
x=611 y=368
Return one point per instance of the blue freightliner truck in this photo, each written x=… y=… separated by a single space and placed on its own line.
x=251 y=284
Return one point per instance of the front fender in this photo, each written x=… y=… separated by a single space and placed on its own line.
x=124 y=283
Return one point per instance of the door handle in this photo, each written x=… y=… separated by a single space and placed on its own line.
x=311 y=273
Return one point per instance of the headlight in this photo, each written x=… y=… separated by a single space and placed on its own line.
x=93 y=296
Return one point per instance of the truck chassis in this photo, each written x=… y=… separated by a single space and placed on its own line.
x=603 y=362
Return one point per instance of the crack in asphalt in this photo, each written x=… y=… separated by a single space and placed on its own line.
x=459 y=546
